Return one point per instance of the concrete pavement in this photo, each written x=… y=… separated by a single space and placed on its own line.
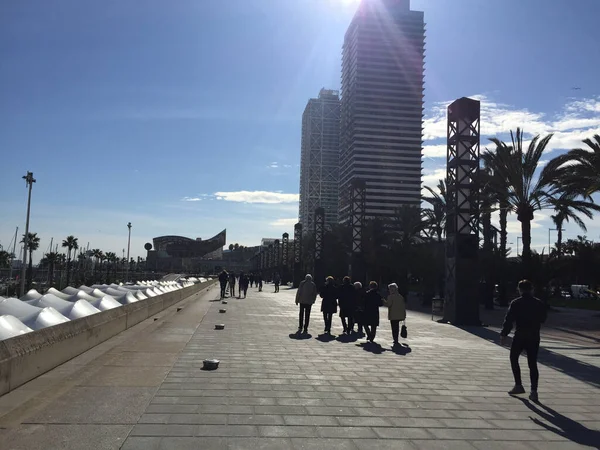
x=446 y=389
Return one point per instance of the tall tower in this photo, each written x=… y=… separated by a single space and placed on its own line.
x=319 y=161
x=382 y=106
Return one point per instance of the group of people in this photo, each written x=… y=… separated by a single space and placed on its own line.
x=228 y=280
x=357 y=306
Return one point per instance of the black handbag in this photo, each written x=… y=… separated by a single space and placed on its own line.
x=404 y=332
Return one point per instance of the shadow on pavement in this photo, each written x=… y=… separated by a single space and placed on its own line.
x=346 y=338
x=563 y=426
x=300 y=336
x=569 y=366
x=372 y=347
x=401 y=349
x=325 y=337
x=564 y=330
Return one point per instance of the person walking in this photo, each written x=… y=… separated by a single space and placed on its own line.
x=347 y=302
x=259 y=282
x=276 y=281
x=251 y=279
x=359 y=307
x=528 y=313
x=306 y=295
x=329 y=294
x=232 y=284
x=396 y=310
x=370 y=316
x=244 y=282
x=223 y=278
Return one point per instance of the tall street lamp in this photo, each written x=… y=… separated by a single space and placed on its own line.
x=128 y=246
x=29 y=180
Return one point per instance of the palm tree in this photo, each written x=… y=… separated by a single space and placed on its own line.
x=580 y=168
x=33 y=243
x=51 y=258
x=236 y=246
x=71 y=244
x=435 y=217
x=5 y=258
x=110 y=258
x=566 y=208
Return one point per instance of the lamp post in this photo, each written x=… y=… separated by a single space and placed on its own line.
x=29 y=180
x=128 y=246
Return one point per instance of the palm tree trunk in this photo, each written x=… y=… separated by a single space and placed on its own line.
x=559 y=239
x=488 y=292
x=68 y=266
x=30 y=269
x=502 y=291
x=526 y=254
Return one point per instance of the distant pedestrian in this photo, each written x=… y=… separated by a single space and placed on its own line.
x=347 y=302
x=244 y=282
x=223 y=278
x=259 y=282
x=232 y=284
x=276 y=281
x=306 y=295
x=370 y=316
x=528 y=313
x=329 y=294
x=396 y=310
x=251 y=279
x=359 y=307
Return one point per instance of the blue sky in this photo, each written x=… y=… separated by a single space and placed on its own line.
x=184 y=117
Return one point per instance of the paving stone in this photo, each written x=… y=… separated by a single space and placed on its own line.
x=311 y=420
x=442 y=445
x=323 y=444
x=164 y=430
x=402 y=433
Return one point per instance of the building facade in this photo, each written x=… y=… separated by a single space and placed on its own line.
x=382 y=106
x=319 y=160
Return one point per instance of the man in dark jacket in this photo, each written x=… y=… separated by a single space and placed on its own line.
x=528 y=313
x=223 y=278
x=329 y=294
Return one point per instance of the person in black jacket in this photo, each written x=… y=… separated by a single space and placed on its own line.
x=370 y=316
x=329 y=295
x=359 y=307
x=347 y=301
x=223 y=278
x=244 y=282
x=528 y=313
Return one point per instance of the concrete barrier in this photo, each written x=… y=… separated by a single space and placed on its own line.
x=22 y=358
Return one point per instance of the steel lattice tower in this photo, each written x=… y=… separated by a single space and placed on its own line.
x=285 y=242
x=461 y=305
x=357 y=220
x=319 y=231
x=297 y=254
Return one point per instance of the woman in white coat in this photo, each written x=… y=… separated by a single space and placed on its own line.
x=396 y=310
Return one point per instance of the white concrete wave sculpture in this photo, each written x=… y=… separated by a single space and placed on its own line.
x=105 y=303
x=58 y=294
x=10 y=326
x=31 y=294
x=81 y=295
x=72 y=310
x=32 y=316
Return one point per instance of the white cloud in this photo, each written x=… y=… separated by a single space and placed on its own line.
x=432 y=178
x=435 y=151
x=273 y=165
x=284 y=223
x=257 y=197
x=576 y=121
x=191 y=199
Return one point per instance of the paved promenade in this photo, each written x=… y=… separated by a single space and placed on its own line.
x=446 y=389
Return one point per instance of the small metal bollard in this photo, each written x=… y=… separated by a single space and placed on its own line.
x=220 y=326
x=211 y=364
x=222 y=310
x=156 y=318
x=179 y=309
x=224 y=302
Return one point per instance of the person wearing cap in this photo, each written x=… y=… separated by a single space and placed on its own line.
x=528 y=313
x=306 y=295
x=329 y=294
